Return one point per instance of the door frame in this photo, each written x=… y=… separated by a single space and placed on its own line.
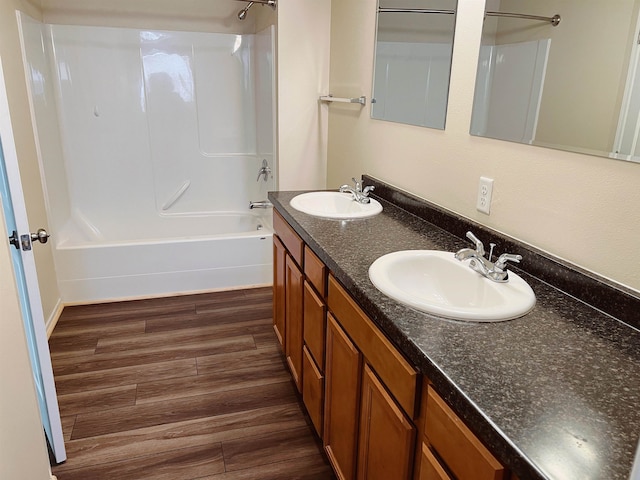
x=628 y=122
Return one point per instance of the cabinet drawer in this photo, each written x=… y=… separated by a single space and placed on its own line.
x=314 y=324
x=459 y=448
x=430 y=468
x=312 y=390
x=315 y=271
x=289 y=237
x=394 y=371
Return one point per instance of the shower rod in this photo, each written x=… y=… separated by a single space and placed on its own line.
x=555 y=20
x=414 y=10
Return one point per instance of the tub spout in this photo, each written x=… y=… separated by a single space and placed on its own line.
x=260 y=204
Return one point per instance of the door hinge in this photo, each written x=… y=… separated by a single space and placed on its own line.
x=14 y=240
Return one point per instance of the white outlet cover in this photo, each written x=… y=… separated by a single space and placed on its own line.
x=485 y=189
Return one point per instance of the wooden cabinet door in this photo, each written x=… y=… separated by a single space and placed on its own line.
x=293 y=314
x=430 y=468
x=465 y=456
x=313 y=390
x=387 y=436
x=279 y=255
x=343 y=364
x=314 y=324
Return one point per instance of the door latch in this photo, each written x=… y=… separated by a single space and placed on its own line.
x=26 y=240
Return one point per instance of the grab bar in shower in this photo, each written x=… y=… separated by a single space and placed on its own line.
x=330 y=98
x=176 y=195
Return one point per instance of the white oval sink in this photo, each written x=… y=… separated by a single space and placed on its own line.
x=435 y=282
x=334 y=205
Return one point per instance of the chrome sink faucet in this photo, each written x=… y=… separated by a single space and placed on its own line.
x=493 y=271
x=359 y=194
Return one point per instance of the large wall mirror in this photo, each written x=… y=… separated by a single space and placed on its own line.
x=572 y=84
x=414 y=42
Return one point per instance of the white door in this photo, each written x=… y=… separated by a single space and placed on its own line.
x=24 y=271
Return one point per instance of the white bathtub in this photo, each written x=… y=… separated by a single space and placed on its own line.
x=163 y=255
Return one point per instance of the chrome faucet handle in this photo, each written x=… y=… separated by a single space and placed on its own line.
x=479 y=245
x=506 y=257
x=358 y=194
x=346 y=188
x=264 y=171
x=491 y=247
x=367 y=190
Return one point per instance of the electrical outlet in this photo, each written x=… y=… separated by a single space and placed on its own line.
x=485 y=189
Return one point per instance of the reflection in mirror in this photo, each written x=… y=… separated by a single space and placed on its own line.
x=414 y=42
x=572 y=84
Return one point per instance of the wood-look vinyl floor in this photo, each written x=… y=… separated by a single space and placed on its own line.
x=180 y=388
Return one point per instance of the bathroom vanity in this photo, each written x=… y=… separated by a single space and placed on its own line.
x=399 y=394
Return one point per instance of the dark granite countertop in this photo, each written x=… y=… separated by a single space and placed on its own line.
x=554 y=394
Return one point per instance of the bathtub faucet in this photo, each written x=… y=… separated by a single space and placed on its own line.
x=264 y=172
x=260 y=204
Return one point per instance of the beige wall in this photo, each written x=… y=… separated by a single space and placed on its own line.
x=265 y=17
x=200 y=16
x=580 y=208
x=23 y=452
x=25 y=145
x=303 y=75
x=218 y=16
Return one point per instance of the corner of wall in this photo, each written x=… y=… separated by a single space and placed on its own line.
x=52 y=319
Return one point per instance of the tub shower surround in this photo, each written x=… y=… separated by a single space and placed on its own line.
x=149 y=176
x=553 y=394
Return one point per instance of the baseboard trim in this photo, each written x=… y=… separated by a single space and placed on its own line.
x=52 y=321
x=163 y=295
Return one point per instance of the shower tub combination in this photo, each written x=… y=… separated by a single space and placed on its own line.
x=187 y=253
x=150 y=173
